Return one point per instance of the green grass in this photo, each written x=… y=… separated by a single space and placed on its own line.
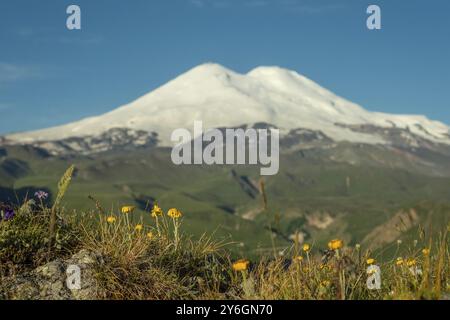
x=160 y=260
x=217 y=203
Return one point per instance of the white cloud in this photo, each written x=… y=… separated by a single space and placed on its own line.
x=211 y=3
x=25 y=32
x=197 y=3
x=310 y=9
x=4 y=106
x=293 y=6
x=257 y=3
x=12 y=72
x=81 y=40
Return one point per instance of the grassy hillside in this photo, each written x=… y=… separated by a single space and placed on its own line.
x=125 y=257
x=311 y=197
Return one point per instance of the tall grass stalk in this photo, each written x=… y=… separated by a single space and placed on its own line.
x=63 y=185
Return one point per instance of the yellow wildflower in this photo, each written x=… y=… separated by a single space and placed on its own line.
x=128 y=209
x=371 y=271
x=156 y=211
x=306 y=247
x=370 y=261
x=411 y=262
x=335 y=244
x=241 y=265
x=139 y=227
x=111 y=219
x=150 y=235
x=426 y=251
x=298 y=259
x=399 y=261
x=174 y=213
x=325 y=283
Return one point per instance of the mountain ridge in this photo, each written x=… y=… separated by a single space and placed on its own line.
x=221 y=97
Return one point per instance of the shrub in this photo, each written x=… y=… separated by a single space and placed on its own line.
x=149 y=262
x=25 y=238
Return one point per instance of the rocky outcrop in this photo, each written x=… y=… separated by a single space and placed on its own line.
x=390 y=231
x=121 y=139
x=52 y=281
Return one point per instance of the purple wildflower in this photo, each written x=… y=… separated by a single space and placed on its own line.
x=9 y=214
x=41 y=195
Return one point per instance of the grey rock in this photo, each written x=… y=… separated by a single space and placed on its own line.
x=49 y=282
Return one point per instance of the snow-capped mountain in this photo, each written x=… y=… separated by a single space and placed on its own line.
x=223 y=98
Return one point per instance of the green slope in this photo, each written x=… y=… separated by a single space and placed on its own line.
x=320 y=198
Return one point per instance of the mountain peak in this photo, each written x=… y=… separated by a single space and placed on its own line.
x=271 y=70
x=209 y=69
x=221 y=97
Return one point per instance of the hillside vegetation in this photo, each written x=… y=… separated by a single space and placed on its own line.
x=149 y=255
x=312 y=197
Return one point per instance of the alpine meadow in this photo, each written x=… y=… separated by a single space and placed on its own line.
x=354 y=189
x=225 y=157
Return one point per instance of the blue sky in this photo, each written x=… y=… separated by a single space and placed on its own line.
x=50 y=75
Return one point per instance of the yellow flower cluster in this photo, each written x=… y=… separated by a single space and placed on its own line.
x=325 y=267
x=370 y=261
x=371 y=271
x=172 y=213
x=139 y=227
x=111 y=219
x=306 y=247
x=411 y=262
x=128 y=209
x=335 y=244
x=156 y=211
x=325 y=283
x=175 y=213
x=241 y=265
